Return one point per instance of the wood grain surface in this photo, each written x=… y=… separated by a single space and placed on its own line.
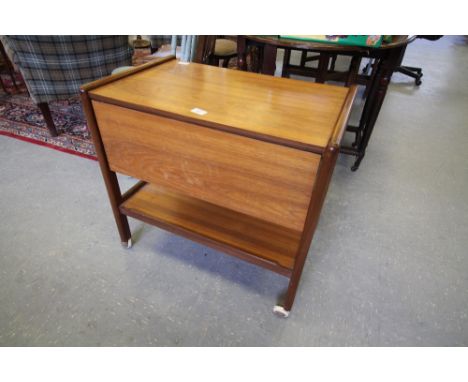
x=270 y=108
x=186 y=215
x=260 y=179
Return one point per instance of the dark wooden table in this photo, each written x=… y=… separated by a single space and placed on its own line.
x=386 y=58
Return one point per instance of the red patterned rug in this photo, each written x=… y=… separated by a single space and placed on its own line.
x=20 y=118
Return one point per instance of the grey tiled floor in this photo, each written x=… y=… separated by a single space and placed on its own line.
x=388 y=265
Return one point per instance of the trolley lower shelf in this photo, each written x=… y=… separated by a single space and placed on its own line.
x=249 y=238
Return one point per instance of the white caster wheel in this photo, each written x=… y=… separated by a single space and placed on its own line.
x=280 y=311
x=127 y=244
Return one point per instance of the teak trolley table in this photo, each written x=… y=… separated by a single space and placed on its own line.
x=237 y=161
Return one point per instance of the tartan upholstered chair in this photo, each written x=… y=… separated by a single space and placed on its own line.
x=54 y=67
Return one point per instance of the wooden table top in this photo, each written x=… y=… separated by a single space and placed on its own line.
x=280 y=110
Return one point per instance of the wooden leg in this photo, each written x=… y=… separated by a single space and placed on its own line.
x=322 y=68
x=319 y=192
x=204 y=49
x=370 y=68
x=13 y=77
x=110 y=178
x=3 y=86
x=333 y=62
x=44 y=106
x=9 y=67
x=286 y=61
x=303 y=58
x=255 y=56
x=378 y=89
x=269 y=59
x=226 y=61
x=115 y=197
x=241 y=52
x=353 y=70
x=213 y=61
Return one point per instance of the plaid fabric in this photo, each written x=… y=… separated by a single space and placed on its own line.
x=54 y=67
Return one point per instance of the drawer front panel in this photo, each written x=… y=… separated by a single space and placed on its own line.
x=258 y=178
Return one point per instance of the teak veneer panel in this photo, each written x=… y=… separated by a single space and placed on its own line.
x=260 y=179
x=176 y=212
x=274 y=109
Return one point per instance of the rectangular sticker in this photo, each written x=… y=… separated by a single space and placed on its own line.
x=198 y=111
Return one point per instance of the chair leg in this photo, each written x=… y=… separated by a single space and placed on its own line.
x=333 y=62
x=3 y=85
x=286 y=61
x=303 y=58
x=366 y=70
x=412 y=72
x=322 y=69
x=9 y=66
x=213 y=61
x=371 y=66
x=45 y=110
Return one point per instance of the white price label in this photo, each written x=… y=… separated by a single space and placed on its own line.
x=198 y=111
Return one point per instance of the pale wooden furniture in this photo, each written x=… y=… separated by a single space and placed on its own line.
x=237 y=161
